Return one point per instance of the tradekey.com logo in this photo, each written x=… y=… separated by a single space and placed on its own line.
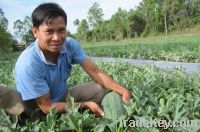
x=158 y=123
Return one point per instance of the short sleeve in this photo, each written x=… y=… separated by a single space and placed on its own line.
x=30 y=82
x=78 y=55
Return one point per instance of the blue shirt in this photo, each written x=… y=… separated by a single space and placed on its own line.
x=35 y=76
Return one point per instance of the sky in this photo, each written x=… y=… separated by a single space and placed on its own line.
x=18 y=9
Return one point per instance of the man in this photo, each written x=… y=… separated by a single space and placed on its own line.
x=42 y=69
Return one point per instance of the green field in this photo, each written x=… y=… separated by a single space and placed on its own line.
x=179 y=48
x=158 y=94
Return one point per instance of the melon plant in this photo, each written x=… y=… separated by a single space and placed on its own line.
x=112 y=106
x=157 y=94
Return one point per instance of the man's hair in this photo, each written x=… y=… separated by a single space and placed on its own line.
x=47 y=11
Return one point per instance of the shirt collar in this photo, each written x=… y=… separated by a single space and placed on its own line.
x=41 y=55
x=64 y=49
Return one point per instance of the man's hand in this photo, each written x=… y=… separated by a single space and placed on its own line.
x=105 y=80
x=126 y=96
x=93 y=107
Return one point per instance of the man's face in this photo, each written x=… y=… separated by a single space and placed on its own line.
x=51 y=35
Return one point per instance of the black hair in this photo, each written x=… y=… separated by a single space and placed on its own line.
x=47 y=11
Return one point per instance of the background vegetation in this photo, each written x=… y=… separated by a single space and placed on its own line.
x=151 y=17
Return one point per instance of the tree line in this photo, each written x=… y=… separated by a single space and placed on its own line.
x=6 y=39
x=150 y=17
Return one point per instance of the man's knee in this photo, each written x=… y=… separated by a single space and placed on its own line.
x=10 y=101
x=101 y=90
x=90 y=91
x=100 y=93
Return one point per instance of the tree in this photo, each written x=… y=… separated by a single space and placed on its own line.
x=146 y=10
x=136 y=24
x=76 y=22
x=106 y=31
x=18 y=29
x=22 y=30
x=118 y=21
x=95 y=15
x=3 y=20
x=6 y=40
x=195 y=11
x=82 y=30
x=177 y=13
x=28 y=37
x=165 y=12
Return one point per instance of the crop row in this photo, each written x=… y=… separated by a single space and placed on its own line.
x=179 y=49
x=158 y=94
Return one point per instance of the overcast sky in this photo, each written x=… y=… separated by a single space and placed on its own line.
x=18 y=9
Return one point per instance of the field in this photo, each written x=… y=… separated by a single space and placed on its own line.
x=179 y=48
x=158 y=94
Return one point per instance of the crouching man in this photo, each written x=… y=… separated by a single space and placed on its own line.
x=43 y=68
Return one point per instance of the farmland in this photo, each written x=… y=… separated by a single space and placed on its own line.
x=158 y=94
x=179 y=48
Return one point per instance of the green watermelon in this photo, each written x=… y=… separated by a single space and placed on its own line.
x=112 y=106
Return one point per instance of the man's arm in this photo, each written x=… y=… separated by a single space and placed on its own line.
x=104 y=79
x=45 y=104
